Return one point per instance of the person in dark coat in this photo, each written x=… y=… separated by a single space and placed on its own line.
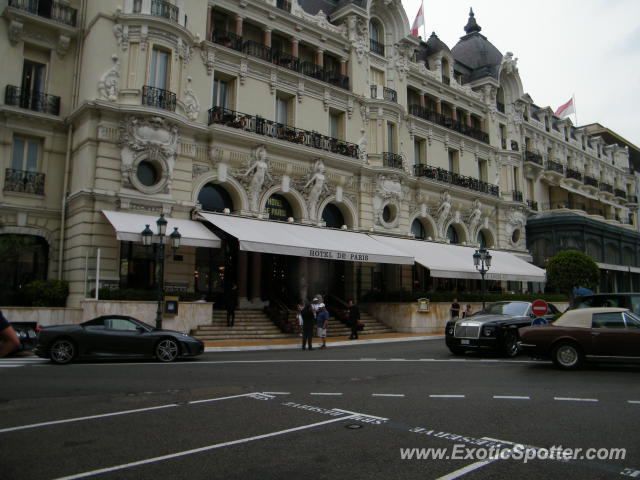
x=231 y=301
x=353 y=318
x=9 y=340
x=308 y=321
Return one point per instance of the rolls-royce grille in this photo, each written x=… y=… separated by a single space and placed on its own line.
x=467 y=331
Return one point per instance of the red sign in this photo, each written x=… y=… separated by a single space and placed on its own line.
x=539 y=308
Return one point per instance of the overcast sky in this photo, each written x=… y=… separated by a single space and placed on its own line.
x=588 y=48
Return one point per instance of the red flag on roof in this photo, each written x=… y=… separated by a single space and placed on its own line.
x=417 y=23
x=566 y=109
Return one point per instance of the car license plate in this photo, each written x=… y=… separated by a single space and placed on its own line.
x=465 y=342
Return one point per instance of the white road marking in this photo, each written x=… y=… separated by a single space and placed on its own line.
x=336 y=394
x=512 y=397
x=277 y=393
x=572 y=399
x=202 y=449
x=208 y=400
x=10 y=366
x=397 y=360
x=387 y=394
x=633 y=401
x=369 y=359
x=447 y=396
x=464 y=470
x=112 y=414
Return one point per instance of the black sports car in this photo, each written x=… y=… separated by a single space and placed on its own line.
x=114 y=336
x=494 y=328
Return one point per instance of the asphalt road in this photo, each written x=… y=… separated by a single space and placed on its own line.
x=345 y=412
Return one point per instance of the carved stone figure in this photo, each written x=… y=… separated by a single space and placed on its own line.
x=316 y=185
x=191 y=104
x=108 y=84
x=474 y=218
x=444 y=210
x=259 y=171
x=362 y=146
x=509 y=64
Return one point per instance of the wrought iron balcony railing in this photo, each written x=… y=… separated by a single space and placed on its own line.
x=257 y=49
x=161 y=8
x=592 y=182
x=227 y=39
x=448 y=122
x=533 y=157
x=632 y=198
x=269 y=128
x=575 y=174
x=285 y=60
x=23 y=181
x=605 y=187
x=442 y=175
x=58 y=12
x=391 y=160
x=554 y=166
x=516 y=195
x=620 y=193
x=159 y=98
x=533 y=205
x=384 y=93
x=32 y=100
x=376 y=47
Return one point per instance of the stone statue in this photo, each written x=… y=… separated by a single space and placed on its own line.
x=317 y=185
x=108 y=84
x=474 y=217
x=260 y=171
x=362 y=146
x=443 y=210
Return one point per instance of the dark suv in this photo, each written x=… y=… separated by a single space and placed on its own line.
x=622 y=300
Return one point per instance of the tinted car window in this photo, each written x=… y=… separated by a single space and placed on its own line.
x=120 y=324
x=632 y=320
x=518 y=309
x=608 y=320
x=635 y=304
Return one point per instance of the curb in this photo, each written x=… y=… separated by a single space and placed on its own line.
x=297 y=345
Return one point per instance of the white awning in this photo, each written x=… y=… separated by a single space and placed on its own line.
x=304 y=241
x=455 y=261
x=619 y=268
x=129 y=225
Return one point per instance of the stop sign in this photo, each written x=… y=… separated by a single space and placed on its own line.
x=539 y=308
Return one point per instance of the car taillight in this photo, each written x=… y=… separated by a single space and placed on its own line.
x=38 y=328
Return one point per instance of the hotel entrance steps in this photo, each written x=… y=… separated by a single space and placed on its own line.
x=255 y=325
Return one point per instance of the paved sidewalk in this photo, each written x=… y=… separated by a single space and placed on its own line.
x=296 y=342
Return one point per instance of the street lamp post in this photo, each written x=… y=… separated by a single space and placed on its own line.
x=482 y=261
x=147 y=240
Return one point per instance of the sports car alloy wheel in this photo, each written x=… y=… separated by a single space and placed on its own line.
x=510 y=344
x=167 y=350
x=62 y=351
x=567 y=356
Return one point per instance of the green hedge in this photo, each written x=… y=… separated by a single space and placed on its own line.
x=406 y=296
x=45 y=293
x=141 y=295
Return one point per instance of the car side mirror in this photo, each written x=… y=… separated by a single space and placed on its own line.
x=139 y=329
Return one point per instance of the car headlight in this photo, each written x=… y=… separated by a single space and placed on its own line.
x=488 y=331
x=450 y=330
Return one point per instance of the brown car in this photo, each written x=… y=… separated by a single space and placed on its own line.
x=586 y=334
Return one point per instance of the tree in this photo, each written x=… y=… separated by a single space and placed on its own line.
x=569 y=269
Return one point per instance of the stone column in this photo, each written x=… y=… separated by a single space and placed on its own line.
x=320 y=58
x=423 y=102
x=266 y=37
x=438 y=106
x=454 y=113
x=242 y=278
x=294 y=47
x=239 y=25
x=468 y=117
x=343 y=67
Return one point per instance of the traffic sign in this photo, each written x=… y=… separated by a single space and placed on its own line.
x=539 y=308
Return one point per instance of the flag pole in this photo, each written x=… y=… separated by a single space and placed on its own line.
x=575 y=110
x=424 y=24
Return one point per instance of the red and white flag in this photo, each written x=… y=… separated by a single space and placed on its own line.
x=566 y=109
x=417 y=23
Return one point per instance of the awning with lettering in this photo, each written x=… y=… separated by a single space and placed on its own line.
x=284 y=238
x=455 y=261
x=129 y=225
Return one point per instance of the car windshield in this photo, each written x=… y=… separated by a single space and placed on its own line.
x=518 y=309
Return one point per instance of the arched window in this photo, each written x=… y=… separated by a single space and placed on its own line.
x=24 y=258
x=417 y=229
x=482 y=240
x=452 y=235
x=376 y=37
x=214 y=198
x=332 y=216
x=278 y=208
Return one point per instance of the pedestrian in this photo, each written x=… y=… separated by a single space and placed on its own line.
x=353 y=318
x=299 y=308
x=322 y=321
x=308 y=320
x=455 y=309
x=231 y=300
x=467 y=312
x=9 y=340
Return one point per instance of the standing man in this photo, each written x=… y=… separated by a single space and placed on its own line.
x=9 y=341
x=353 y=317
x=308 y=319
x=455 y=309
x=322 y=319
x=232 y=299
